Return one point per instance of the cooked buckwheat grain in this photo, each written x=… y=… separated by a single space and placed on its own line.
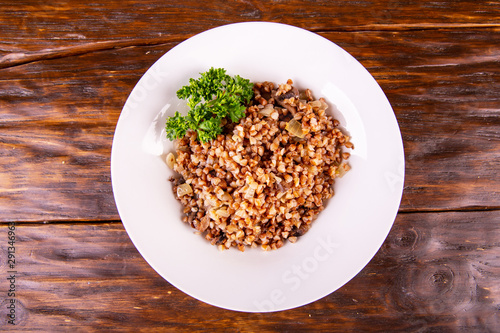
x=265 y=179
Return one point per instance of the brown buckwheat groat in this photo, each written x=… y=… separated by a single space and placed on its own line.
x=265 y=179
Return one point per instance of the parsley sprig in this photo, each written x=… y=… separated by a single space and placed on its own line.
x=211 y=98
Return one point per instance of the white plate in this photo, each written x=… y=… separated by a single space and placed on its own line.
x=347 y=233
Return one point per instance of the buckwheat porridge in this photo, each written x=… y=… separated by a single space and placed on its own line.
x=264 y=179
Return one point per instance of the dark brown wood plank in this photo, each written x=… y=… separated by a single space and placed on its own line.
x=32 y=29
x=436 y=271
x=66 y=68
x=58 y=118
x=60 y=22
x=444 y=94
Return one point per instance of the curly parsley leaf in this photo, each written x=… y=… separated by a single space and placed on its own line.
x=209 y=129
x=211 y=98
x=176 y=126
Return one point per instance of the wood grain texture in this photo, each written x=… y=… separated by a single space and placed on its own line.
x=435 y=272
x=444 y=94
x=58 y=119
x=66 y=69
x=33 y=30
x=58 y=125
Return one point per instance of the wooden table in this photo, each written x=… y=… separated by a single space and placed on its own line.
x=66 y=69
